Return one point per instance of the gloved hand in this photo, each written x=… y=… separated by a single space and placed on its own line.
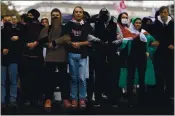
x=92 y=38
x=117 y=42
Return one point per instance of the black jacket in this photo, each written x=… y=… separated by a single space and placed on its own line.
x=14 y=47
x=32 y=32
x=165 y=35
x=107 y=34
x=138 y=49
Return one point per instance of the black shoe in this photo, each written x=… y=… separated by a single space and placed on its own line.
x=89 y=102
x=37 y=102
x=96 y=104
x=115 y=105
x=27 y=103
x=12 y=104
x=104 y=96
x=3 y=106
x=130 y=105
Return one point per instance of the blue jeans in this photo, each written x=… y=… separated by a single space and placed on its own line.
x=12 y=70
x=77 y=68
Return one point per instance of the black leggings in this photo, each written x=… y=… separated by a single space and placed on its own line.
x=133 y=63
x=31 y=78
x=113 y=78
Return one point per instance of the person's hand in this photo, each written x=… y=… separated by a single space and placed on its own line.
x=50 y=46
x=90 y=45
x=35 y=43
x=14 y=38
x=117 y=42
x=75 y=45
x=31 y=45
x=119 y=37
x=155 y=43
x=171 y=47
x=147 y=54
x=5 y=51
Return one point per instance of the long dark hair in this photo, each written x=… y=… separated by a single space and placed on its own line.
x=120 y=16
x=87 y=17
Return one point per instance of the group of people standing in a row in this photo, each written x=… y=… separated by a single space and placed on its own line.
x=117 y=53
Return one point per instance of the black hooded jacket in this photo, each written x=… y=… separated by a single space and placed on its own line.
x=107 y=33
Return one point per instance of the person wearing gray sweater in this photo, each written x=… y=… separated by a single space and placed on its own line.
x=56 y=59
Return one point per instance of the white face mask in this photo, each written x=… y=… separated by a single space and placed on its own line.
x=124 y=21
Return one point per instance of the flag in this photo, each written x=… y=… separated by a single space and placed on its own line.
x=120 y=7
x=153 y=11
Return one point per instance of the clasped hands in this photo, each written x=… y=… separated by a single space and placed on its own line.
x=14 y=38
x=73 y=44
x=32 y=45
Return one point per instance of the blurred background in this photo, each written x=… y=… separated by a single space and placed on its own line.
x=133 y=7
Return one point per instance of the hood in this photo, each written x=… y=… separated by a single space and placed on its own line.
x=104 y=15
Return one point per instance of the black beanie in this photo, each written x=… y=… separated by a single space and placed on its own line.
x=35 y=13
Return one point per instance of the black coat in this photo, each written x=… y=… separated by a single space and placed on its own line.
x=165 y=35
x=32 y=33
x=14 y=47
x=106 y=34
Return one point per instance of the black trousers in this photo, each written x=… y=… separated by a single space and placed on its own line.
x=113 y=78
x=91 y=80
x=60 y=78
x=31 y=78
x=100 y=76
x=164 y=70
x=133 y=63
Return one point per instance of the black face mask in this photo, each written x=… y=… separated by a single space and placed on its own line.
x=31 y=20
x=7 y=25
x=104 y=18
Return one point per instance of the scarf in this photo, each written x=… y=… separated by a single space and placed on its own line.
x=125 y=32
x=81 y=22
x=126 y=35
x=134 y=31
x=54 y=33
